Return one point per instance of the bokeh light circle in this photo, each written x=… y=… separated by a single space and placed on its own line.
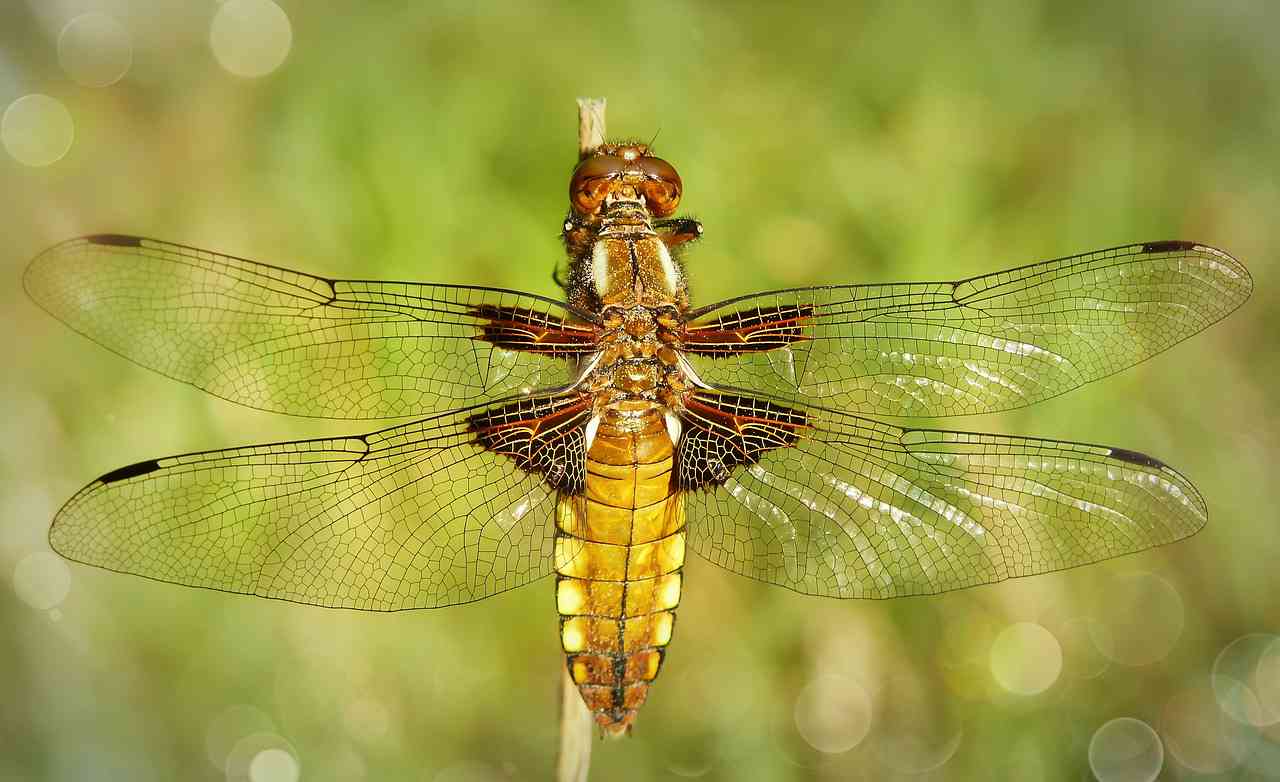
x=1266 y=676
x=1139 y=617
x=1260 y=748
x=42 y=580
x=687 y=767
x=833 y=714
x=1026 y=659
x=914 y=732
x=37 y=130
x=1194 y=734
x=1082 y=639
x=1246 y=679
x=95 y=50
x=1126 y=750
x=226 y=730
x=250 y=38
x=726 y=701
x=257 y=758
x=273 y=764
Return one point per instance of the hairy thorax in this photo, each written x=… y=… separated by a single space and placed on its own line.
x=622 y=268
x=638 y=367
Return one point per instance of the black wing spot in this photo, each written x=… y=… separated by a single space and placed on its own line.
x=1135 y=457
x=130 y=471
x=1170 y=245
x=116 y=240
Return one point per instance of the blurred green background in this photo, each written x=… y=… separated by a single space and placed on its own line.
x=819 y=144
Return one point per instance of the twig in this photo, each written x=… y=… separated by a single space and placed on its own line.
x=590 y=125
x=574 y=760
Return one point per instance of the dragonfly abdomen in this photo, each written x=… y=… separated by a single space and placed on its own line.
x=619 y=552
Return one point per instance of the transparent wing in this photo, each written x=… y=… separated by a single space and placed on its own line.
x=858 y=508
x=444 y=510
x=988 y=343
x=289 y=342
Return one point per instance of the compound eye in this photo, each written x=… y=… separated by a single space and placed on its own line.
x=662 y=187
x=591 y=182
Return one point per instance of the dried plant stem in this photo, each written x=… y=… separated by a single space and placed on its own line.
x=574 y=759
x=590 y=125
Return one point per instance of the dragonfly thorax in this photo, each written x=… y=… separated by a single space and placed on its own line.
x=638 y=361
x=629 y=264
x=617 y=233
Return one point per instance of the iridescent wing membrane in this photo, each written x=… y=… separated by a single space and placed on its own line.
x=830 y=503
x=458 y=506
x=289 y=342
x=989 y=343
x=417 y=516
x=444 y=510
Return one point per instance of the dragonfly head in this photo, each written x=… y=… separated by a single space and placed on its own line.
x=627 y=172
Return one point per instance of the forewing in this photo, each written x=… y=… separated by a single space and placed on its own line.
x=416 y=516
x=289 y=342
x=989 y=343
x=859 y=508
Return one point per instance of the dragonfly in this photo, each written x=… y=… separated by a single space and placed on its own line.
x=598 y=436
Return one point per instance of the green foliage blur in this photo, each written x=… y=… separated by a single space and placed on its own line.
x=831 y=143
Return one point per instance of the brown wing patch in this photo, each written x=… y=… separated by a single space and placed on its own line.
x=749 y=330
x=533 y=331
x=727 y=430
x=542 y=435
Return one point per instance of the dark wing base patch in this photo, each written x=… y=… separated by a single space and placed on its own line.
x=749 y=330
x=727 y=430
x=533 y=331
x=544 y=435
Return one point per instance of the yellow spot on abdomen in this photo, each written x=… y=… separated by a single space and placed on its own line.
x=662 y=624
x=571 y=596
x=573 y=635
x=671 y=553
x=667 y=594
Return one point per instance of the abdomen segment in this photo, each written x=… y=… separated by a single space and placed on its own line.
x=619 y=553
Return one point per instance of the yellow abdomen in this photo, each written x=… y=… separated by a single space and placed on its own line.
x=619 y=551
